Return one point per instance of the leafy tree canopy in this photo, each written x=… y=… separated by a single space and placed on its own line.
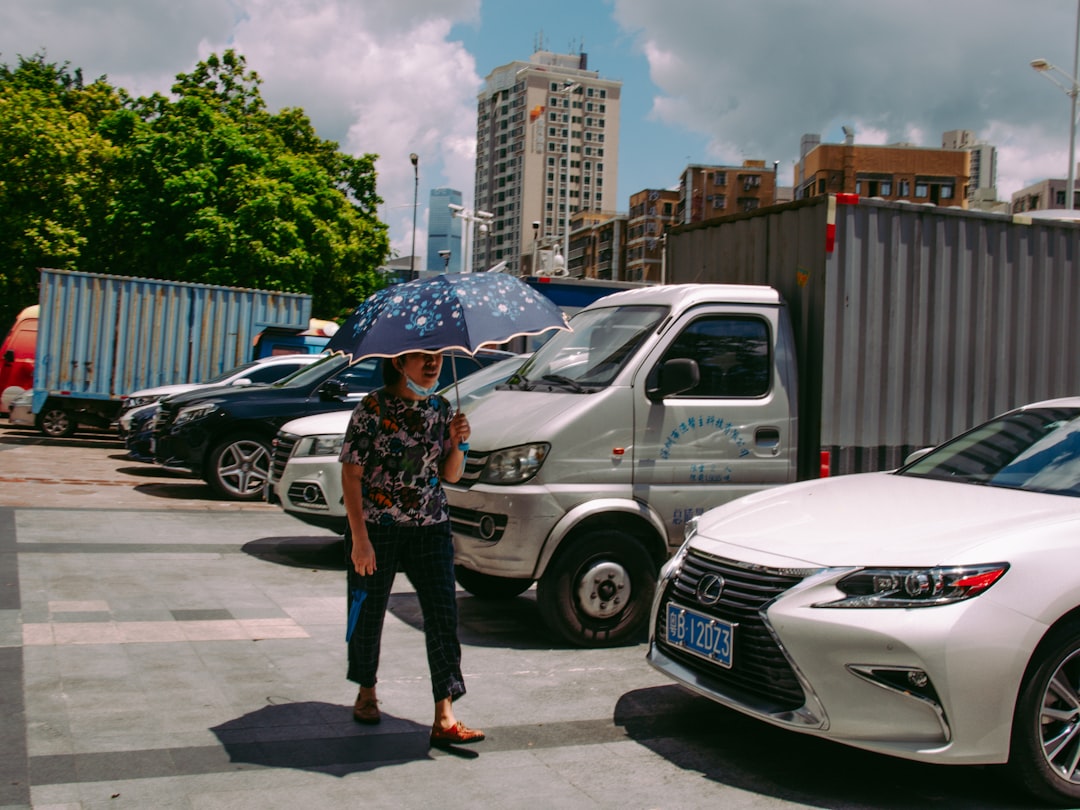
x=204 y=186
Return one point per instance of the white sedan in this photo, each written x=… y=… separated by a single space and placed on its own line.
x=930 y=613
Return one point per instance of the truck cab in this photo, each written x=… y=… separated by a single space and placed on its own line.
x=585 y=465
x=17 y=357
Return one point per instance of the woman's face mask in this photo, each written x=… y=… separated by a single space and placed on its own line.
x=421 y=371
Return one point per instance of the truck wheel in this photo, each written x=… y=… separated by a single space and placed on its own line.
x=597 y=591
x=486 y=586
x=1044 y=751
x=239 y=468
x=56 y=422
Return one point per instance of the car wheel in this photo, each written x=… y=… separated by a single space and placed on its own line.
x=486 y=586
x=239 y=468
x=1045 y=751
x=598 y=589
x=56 y=422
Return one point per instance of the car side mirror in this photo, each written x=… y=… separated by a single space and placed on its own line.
x=333 y=389
x=9 y=356
x=242 y=381
x=672 y=377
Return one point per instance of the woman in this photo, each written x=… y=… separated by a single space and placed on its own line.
x=401 y=440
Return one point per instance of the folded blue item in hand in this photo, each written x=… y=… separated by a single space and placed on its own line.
x=358 y=596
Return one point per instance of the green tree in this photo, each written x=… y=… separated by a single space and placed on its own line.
x=204 y=186
x=55 y=169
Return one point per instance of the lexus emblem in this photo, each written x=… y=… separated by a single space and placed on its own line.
x=709 y=588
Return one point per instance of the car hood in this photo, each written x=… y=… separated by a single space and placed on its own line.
x=335 y=422
x=167 y=390
x=878 y=519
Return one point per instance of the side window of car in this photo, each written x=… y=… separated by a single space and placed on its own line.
x=363 y=376
x=271 y=372
x=732 y=353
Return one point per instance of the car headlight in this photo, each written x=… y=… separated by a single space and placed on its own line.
x=514 y=465
x=135 y=402
x=193 y=412
x=915 y=587
x=328 y=444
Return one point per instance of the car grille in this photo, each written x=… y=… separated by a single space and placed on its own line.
x=474 y=465
x=760 y=672
x=283 y=447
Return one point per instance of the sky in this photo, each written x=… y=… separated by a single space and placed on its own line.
x=704 y=81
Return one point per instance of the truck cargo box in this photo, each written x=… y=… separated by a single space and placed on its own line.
x=912 y=322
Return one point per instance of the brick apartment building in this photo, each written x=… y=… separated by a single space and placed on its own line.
x=896 y=172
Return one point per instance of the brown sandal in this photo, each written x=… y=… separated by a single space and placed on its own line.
x=366 y=711
x=455 y=735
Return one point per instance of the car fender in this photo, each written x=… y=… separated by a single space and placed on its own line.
x=603 y=511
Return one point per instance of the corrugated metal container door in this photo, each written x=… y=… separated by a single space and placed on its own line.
x=938 y=319
x=104 y=336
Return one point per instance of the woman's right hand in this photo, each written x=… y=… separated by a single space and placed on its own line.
x=363 y=556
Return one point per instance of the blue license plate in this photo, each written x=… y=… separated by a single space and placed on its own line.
x=705 y=636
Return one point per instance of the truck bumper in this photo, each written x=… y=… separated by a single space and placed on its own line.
x=502 y=530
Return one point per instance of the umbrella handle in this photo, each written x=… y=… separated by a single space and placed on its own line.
x=457 y=394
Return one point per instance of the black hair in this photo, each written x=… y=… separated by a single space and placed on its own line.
x=391 y=374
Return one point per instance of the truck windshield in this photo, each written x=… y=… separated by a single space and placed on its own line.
x=589 y=357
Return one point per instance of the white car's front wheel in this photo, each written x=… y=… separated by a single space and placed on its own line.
x=1045 y=751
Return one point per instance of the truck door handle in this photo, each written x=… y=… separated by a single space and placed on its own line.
x=767 y=438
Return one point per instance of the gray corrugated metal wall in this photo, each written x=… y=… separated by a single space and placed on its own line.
x=920 y=323
x=104 y=336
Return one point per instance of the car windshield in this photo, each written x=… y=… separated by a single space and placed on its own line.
x=590 y=356
x=1035 y=449
x=314 y=372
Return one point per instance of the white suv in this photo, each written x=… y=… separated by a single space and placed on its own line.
x=305 y=476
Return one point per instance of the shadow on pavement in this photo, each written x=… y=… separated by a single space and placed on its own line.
x=320 y=737
x=732 y=749
x=326 y=552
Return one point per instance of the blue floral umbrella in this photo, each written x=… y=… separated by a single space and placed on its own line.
x=450 y=311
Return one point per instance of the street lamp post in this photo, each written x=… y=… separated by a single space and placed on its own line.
x=562 y=218
x=470 y=218
x=415 y=158
x=1071 y=90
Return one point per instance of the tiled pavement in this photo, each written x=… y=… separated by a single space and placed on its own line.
x=159 y=649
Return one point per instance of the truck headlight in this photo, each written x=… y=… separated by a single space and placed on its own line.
x=327 y=444
x=193 y=412
x=514 y=465
x=915 y=587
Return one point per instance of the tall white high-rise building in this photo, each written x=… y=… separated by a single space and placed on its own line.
x=982 y=185
x=547 y=146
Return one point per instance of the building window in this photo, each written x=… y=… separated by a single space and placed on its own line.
x=904 y=188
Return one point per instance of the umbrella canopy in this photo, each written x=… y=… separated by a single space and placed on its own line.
x=465 y=311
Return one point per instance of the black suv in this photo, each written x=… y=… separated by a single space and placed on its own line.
x=224 y=435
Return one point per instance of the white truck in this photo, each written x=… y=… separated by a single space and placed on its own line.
x=586 y=464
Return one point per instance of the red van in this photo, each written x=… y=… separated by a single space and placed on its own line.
x=17 y=357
